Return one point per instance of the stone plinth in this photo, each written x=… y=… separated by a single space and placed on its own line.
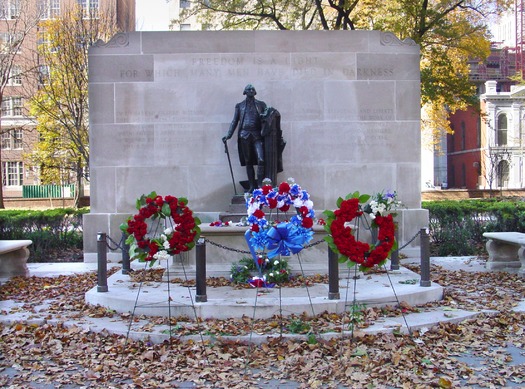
x=160 y=102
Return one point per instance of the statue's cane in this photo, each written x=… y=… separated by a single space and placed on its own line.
x=230 y=163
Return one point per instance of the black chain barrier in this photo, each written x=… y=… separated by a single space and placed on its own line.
x=410 y=241
x=119 y=245
x=248 y=252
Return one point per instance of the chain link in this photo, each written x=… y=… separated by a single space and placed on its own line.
x=225 y=247
x=120 y=245
x=410 y=241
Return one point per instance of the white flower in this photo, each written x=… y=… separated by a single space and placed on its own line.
x=166 y=245
x=168 y=231
x=163 y=237
x=160 y=255
x=253 y=207
x=271 y=274
x=276 y=262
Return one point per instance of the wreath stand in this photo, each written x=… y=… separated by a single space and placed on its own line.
x=313 y=331
x=168 y=305
x=355 y=307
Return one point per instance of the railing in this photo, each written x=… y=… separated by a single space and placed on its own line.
x=47 y=191
x=200 y=265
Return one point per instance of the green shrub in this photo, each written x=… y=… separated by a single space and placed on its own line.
x=457 y=227
x=51 y=231
x=274 y=270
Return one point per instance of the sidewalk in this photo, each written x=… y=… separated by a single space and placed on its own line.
x=224 y=302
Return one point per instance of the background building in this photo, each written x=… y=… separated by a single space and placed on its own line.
x=486 y=149
x=17 y=129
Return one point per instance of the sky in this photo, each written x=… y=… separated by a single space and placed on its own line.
x=152 y=15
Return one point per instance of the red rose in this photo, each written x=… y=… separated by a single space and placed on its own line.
x=285 y=208
x=284 y=187
x=259 y=214
x=307 y=222
x=266 y=189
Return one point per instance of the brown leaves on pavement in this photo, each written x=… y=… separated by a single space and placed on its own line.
x=487 y=351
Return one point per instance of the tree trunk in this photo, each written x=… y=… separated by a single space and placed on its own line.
x=80 y=187
x=2 y=206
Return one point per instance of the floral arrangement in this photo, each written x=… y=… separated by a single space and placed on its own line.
x=163 y=226
x=272 y=237
x=382 y=204
x=280 y=237
x=274 y=271
x=342 y=240
x=220 y=223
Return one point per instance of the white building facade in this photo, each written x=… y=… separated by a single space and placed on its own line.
x=503 y=140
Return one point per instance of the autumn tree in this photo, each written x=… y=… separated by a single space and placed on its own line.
x=61 y=103
x=449 y=33
x=17 y=21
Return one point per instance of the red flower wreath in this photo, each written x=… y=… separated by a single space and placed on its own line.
x=178 y=233
x=342 y=239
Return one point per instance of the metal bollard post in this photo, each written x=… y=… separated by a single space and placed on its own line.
x=425 y=258
x=394 y=258
x=126 y=269
x=102 y=273
x=200 y=270
x=333 y=276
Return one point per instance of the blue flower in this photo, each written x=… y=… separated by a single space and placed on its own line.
x=306 y=234
x=285 y=198
x=252 y=219
x=296 y=219
x=295 y=190
x=259 y=240
x=263 y=200
x=263 y=223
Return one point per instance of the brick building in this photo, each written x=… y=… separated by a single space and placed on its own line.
x=473 y=156
x=17 y=133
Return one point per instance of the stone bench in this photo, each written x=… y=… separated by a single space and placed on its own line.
x=13 y=258
x=506 y=251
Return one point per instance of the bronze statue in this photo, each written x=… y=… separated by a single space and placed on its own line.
x=259 y=138
x=273 y=143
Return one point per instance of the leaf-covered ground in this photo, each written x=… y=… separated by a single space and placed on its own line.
x=488 y=351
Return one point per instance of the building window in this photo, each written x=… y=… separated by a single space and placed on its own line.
x=463 y=135
x=15 y=76
x=12 y=106
x=10 y=42
x=478 y=132
x=501 y=135
x=9 y=9
x=13 y=173
x=503 y=174
x=452 y=177
x=452 y=139
x=12 y=139
x=463 y=176
x=49 y=9
x=184 y=4
x=43 y=75
x=90 y=8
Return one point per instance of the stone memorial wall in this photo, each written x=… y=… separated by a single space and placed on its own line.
x=160 y=102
